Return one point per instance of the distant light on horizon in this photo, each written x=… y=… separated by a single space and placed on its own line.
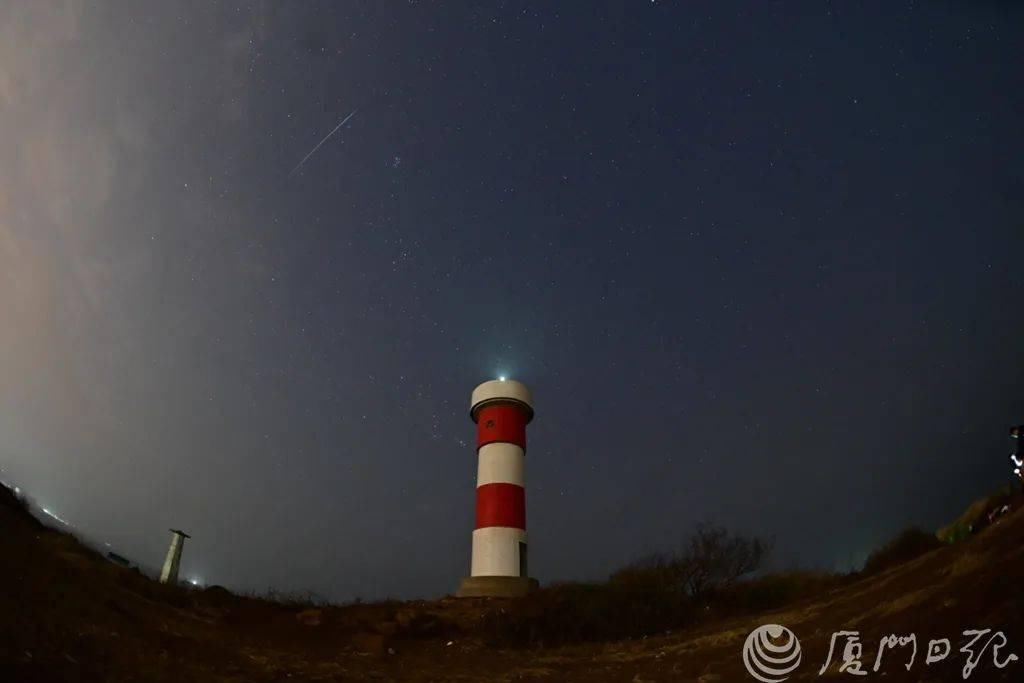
x=55 y=516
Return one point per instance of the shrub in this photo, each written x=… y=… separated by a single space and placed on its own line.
x=974 y=517
x=710 y=560
x=10 y=499
x=581 y=612
x=654 y=574
x=714 y=559
x=19 y=503
x=776 y=590
x=651 y=595
x=908 y=545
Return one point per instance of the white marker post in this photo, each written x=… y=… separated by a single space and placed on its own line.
x=169 y=574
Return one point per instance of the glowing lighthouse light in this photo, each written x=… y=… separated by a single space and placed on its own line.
x=501 y=410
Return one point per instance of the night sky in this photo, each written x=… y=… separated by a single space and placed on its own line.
x=760 y=263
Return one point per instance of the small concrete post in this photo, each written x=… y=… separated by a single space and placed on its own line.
x=169 y=574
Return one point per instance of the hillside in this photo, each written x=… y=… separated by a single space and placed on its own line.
x=68 y=615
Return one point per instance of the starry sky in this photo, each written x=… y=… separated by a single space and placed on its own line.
x=760 y=263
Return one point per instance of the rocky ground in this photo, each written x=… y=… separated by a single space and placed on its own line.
x=68 y=615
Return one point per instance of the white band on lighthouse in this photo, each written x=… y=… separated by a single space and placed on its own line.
x=500 y=463
x=496 y=551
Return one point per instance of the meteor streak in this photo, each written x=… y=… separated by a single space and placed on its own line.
x=312 y=151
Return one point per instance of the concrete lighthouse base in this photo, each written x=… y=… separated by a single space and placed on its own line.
x=496 y=587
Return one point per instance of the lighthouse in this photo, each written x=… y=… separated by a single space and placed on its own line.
x=169 y=573
x=501 y=410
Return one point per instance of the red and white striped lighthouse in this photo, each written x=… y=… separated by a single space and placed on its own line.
x=501 y=410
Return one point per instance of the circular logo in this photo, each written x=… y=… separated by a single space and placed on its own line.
x=771 y=652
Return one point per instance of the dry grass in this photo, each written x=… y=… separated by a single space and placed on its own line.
x=73 y=616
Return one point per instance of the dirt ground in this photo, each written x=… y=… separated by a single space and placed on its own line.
x=68 y=615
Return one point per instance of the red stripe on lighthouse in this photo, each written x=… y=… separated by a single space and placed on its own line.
x=500 y=505
x=501 y=422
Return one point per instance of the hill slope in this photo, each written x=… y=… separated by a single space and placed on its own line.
x=67 y=615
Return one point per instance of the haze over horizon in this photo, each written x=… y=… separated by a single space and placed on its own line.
x=760 y=264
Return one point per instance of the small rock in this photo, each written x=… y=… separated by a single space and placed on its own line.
x=405 y=617
x=370 y=643
x=387 y=628
x=310 y=617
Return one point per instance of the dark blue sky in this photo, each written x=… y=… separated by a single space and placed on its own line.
x=759 y=262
